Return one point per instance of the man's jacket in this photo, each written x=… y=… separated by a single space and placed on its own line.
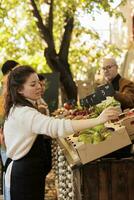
x=125 y=92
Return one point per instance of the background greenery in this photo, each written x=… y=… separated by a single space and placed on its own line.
x=48 y=35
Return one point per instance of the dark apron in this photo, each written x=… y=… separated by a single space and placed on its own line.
x=28 y=173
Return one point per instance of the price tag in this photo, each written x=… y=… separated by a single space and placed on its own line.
x=106 y=90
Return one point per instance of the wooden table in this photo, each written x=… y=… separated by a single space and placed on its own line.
x=108 y=179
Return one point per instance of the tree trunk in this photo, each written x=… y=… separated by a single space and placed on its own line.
x=57 y=62
x=62 y=66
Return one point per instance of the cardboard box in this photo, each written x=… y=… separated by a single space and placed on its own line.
x=90 y=152
x=128 y=122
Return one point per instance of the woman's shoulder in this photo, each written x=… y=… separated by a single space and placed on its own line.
x=20 y=110
x=22 y=114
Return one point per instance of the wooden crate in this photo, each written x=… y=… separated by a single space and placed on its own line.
x=108 y=180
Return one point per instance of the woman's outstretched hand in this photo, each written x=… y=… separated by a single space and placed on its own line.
x=110 y=113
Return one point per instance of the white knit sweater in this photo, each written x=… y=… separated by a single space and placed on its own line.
x=24 y=124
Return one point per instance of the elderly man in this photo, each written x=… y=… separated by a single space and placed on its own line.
x=124 y=93
x=124 y=89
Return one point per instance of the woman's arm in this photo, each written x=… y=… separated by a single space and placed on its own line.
x=106 y=115
x=37 y=123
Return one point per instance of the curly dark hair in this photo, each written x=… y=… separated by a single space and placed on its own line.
x=15 y=81
x=41 y=77
x=8 y=66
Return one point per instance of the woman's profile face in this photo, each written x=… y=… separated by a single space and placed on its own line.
x=43 y=87
x=31 y=88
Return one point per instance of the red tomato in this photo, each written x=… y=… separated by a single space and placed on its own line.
x=67 y=106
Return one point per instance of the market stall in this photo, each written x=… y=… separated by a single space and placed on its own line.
x=83 y=169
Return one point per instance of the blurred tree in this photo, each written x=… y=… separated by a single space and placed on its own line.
x=56 y=21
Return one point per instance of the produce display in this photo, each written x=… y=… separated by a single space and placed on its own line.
x=95 y=135
x=76 y=113
x=109 y=102
x=92 y=135
x=65 y=178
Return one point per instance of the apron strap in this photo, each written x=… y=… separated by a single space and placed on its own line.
x=7 y=163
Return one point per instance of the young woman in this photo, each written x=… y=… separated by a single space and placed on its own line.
x=24 y=129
